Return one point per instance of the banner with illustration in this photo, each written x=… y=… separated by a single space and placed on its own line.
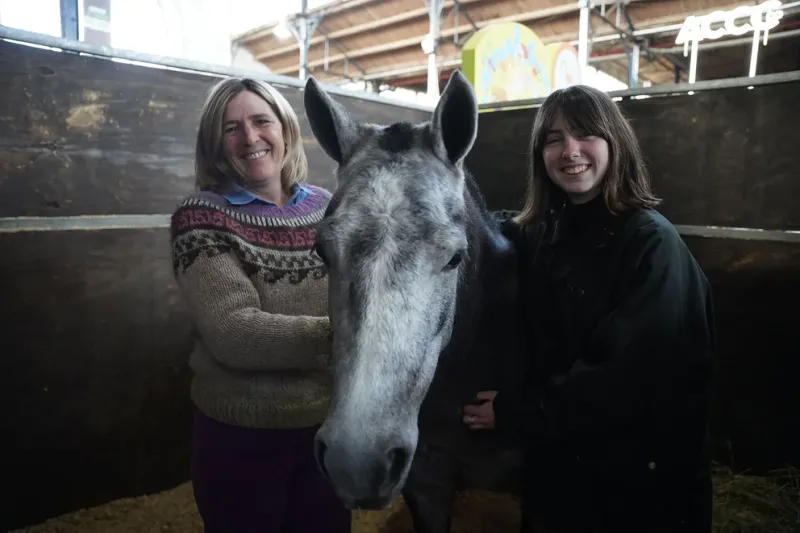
x=508 y=61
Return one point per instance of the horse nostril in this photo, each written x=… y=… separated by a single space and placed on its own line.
x=397 y=461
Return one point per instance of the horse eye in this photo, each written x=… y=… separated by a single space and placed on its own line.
x=454 y=261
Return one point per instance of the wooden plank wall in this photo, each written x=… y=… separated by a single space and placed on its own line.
x=719 y=158
x=96 y=339
x=726 y=157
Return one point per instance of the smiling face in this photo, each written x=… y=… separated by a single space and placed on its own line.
x=576 y=126
x=575 y=161
x=252 y=140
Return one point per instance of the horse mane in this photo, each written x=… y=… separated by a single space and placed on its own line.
x=475 y=193
x=493 y=219
x=484 y=235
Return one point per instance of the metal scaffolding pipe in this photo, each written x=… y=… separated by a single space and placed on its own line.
x=431 y=44
x=633 y=73
x=303 y=28
x=583 y=37
x=70 y=27
x=670 y=89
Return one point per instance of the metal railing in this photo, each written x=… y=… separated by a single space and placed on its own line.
x=667 y=89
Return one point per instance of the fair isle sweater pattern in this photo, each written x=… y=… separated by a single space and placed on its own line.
x=272 y=247
x=257 y=294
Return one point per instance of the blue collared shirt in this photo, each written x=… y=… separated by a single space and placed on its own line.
x=238 y=195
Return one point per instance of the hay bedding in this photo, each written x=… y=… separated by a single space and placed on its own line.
x=743 y=504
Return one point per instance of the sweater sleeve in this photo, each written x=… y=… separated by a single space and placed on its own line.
x=226 y=310
x=656 y=345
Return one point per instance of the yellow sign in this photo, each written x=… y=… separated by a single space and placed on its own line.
x=508 y=61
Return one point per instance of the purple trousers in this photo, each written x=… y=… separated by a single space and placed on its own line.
x=261 y=481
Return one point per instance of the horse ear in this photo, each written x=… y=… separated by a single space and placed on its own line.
x=455 y=120
x=335 y=131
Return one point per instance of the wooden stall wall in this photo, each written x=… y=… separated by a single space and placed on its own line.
x=96 y=340
x=724 y=157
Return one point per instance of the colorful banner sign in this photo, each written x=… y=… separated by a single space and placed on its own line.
x=508 y=61
x=565 y=66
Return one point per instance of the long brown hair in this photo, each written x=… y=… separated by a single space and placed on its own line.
x=626 y=183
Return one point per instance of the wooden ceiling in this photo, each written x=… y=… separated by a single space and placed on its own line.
x=380 y=40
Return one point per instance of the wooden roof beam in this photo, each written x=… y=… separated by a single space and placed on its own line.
x=327 y=10
x=336 y=44
x=361 y=28
x=415 y=41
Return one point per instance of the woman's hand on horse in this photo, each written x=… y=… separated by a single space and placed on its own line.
x=480 y=413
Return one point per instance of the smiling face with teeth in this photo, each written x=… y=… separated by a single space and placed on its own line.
x=576 y=161
x=582 y=145
x=252 y=137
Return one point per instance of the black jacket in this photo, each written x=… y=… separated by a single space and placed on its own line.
x=615 y=407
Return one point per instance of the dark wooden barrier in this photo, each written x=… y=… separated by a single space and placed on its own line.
x=723 y=157
x=756 y=284
x=95 y=338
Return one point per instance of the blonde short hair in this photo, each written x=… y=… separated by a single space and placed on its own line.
x=211 y=168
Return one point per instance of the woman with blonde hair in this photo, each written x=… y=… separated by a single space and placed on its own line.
x=257 y=296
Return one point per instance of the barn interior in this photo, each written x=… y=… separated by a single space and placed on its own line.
x=379 y=43
x=97 y=148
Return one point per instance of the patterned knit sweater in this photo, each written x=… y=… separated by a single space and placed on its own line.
x=257 y=296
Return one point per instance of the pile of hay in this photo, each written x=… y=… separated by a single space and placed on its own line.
x=756 y=504
x=743 y=504
x=171 y=511
x=473 y=512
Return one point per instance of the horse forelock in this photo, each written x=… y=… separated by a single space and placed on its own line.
x=395 y=188
x=395 y=174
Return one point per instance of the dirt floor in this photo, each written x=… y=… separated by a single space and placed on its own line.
x=744 y=504
x=173 y=511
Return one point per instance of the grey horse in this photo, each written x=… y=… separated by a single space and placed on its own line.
x=423 y=306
